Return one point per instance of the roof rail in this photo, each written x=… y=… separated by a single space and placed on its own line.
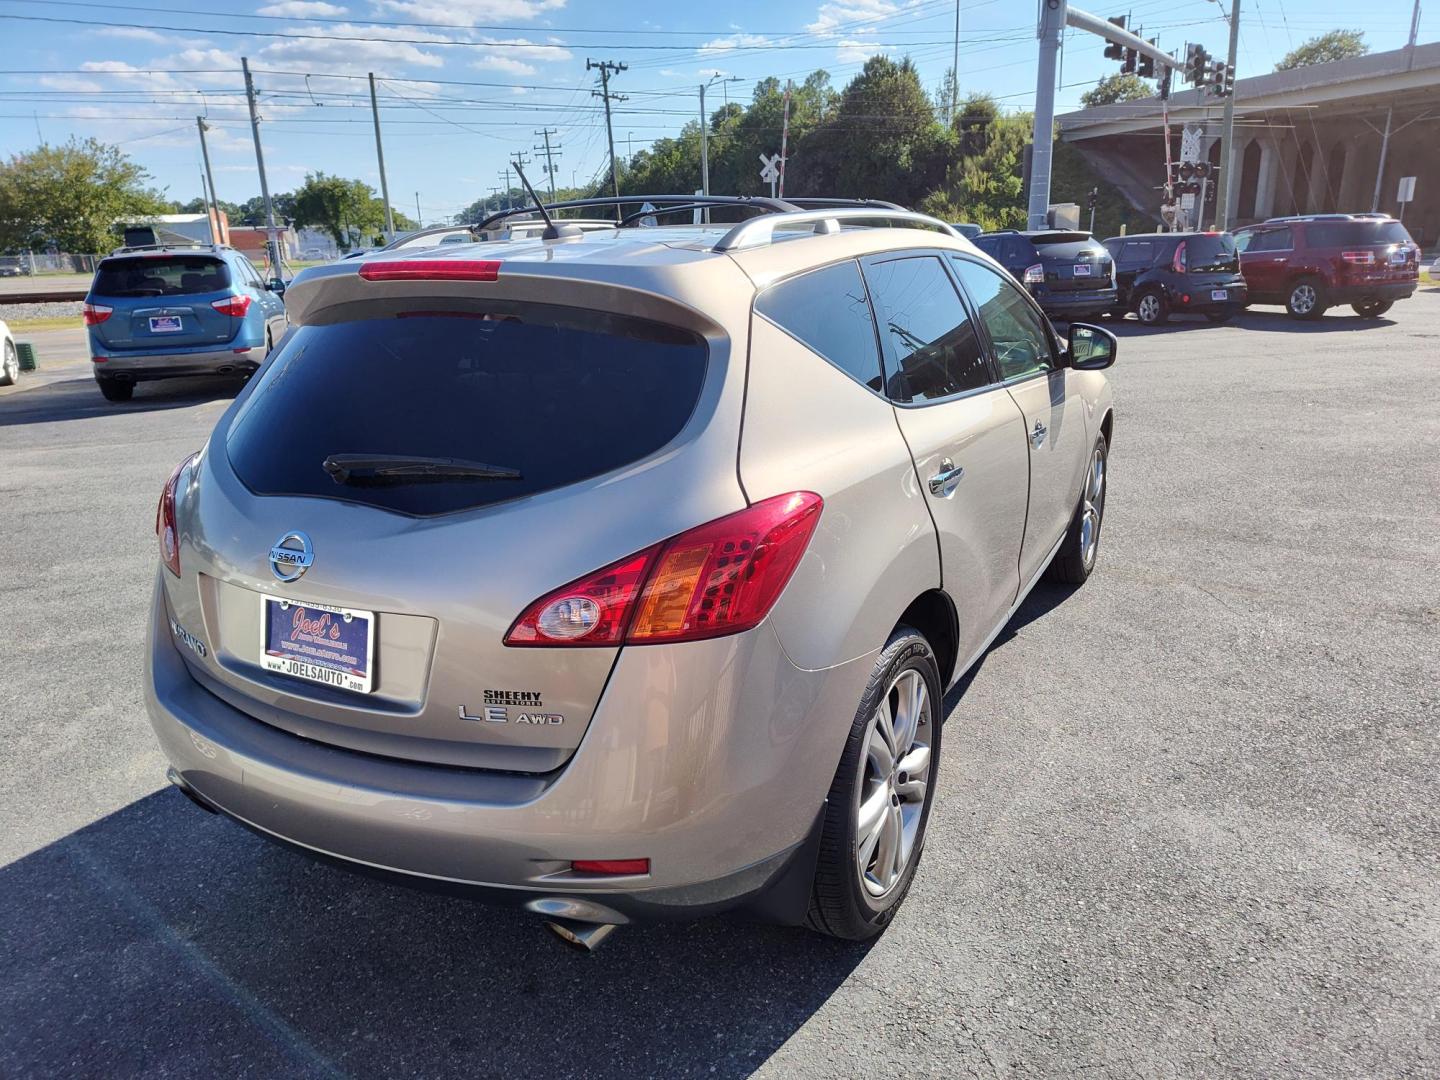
x=755 y=202
x=192 y=246
x=761 y=230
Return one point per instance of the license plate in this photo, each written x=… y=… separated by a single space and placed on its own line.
x=323 y=644
x=1219 y=294
x=1081 y=270
x=1398 y=257
x=165 y=324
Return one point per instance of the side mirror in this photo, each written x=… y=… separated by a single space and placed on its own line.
x=1092 y=348
x=276 y=286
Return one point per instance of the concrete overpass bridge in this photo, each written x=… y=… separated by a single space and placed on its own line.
x=1306 y=141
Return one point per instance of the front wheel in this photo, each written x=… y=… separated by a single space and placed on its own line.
x=879 y=802
x=9 y=365
x=1306 y=299
x=1151 y=308
x=1080 y=548
x=1374 y=309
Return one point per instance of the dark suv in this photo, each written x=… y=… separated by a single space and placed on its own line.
x=1069 y=274
x=1162 y=274
x=1317 y=262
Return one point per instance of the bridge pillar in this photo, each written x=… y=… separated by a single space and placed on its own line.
x=1267 y=180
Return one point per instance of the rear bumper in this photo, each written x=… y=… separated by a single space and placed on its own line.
x=1091 y=301
x=712 y=759
x=1355 y=294
x=140 y=367
x=1202 y=300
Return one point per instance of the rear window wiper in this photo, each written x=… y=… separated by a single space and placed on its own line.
x=378 y=470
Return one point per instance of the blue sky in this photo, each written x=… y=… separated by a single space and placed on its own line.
x=465 y=84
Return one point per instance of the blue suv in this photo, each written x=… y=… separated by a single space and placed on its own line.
x=165 y=312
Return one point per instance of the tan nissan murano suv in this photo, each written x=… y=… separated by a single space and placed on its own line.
x=620 y=573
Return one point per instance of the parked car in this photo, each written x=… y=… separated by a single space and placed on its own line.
x=1069 y=273
x=165 y=312
x=1316 y=262
x=9 y=357
x=11 y=270
x=1162 y=274
x=969 y=230
x=610 y=591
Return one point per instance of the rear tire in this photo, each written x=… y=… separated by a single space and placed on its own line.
x=877 y=811
x=1374 y=309
x=1306 y=299
x=1080 y=549
x=9 y=365
x=1151 y=308
x=115 y=390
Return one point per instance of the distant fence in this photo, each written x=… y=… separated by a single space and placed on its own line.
x=48 y=262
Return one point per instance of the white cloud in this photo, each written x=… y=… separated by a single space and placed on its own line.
x=668 y=73
x=319 y=53
x=720 y=45
x=133 y=33
x=856 y=51
x=69 y=82
x=304 y=9
x=506 y=64
x=468 y=12
x=833 y=13
x=515 y=54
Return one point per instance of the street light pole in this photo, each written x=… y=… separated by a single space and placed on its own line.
x=209 y=176
x=1052 y=25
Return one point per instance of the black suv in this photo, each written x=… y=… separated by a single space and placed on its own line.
x=1068 y=273
x=1162 y=274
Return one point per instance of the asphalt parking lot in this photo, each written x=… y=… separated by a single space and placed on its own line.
x=1188 y=822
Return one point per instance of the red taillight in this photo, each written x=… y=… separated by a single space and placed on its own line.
x=432 y=270
x=232 y=305
x=1178 y=263
x=611 y=866
x=1359 y=258
x=165 y=527
x=716 y=579
x=97 y=313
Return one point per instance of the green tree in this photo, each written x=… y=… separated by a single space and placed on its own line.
x=1336 y=45
x=1115 y=88
x=346 y=209
x=72 y=197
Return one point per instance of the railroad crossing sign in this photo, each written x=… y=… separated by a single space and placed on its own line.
x=1190 y=142
x=770 y=170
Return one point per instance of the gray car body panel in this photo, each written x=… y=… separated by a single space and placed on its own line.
x=711 y=758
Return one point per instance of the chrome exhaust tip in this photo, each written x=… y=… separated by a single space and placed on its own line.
x=587 y=937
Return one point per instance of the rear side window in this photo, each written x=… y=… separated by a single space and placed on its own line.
x=990 y=245
x=556 y=394
x=828 y=311
x=1138 y=253
x=170 y=275
x=1209 y=252
x=930 y=342
x=1354 y=233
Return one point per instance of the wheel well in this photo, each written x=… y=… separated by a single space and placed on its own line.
x=933 y=614
x=1106 y=427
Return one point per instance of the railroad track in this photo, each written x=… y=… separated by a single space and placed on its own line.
x=52 y=296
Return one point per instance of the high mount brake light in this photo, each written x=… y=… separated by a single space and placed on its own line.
x=610 y=866
x=720 y=578
x=165 y=527
x=96 y=313
x=431 y=270
x=232 y=305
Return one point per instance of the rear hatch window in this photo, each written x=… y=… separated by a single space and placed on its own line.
x=1073 y=261
x=1210 y=253
x=1324 y=234
x=166 y=275
x=552 y=394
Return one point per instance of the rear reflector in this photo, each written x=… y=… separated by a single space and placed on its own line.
x=720 y=578
x=431 y=270
x=611 y=866
x=97 y=313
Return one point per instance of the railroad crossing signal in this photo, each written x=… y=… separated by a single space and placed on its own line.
x=1197 y=65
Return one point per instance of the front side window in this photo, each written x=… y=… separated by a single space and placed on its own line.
x=1022 y=341
x=931 y=346
x=829 y=312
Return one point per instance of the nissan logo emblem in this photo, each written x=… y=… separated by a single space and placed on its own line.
x=291 y=556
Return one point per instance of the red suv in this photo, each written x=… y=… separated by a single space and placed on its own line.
x=1312 y=263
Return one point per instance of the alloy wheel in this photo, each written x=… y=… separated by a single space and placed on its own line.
x=1092 y=508
x=11 y=365
x=1302 y=299
x=893 y=783
x=1148 y=308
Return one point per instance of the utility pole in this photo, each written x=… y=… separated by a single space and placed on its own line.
x=1227 y=134
x=1390 y=110
x=419 y=220
x=606 y=68
x=209 y=175
x=211 y=224
x=380 y=153
x=505 y=175
x=1049 y=31
x=272 y=245
x=955 y=68
x=784 y=138
x=549 y=157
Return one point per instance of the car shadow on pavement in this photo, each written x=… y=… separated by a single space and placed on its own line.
x=1267 y=321
x=79 y=399
x=162 y=940
x=1043 y=599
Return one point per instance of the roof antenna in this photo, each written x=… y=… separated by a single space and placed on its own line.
x=552 y=231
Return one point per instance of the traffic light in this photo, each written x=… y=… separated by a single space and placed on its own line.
x=1228 y=86
x=1147 y=65
x=1113 y=49
x=1197 y=62
x=1215 y=78
x=1128 y=67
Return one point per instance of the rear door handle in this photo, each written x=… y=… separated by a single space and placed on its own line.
x=1037 y=436
x=945 y=481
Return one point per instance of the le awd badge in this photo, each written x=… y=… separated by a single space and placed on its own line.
x=500 y=714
